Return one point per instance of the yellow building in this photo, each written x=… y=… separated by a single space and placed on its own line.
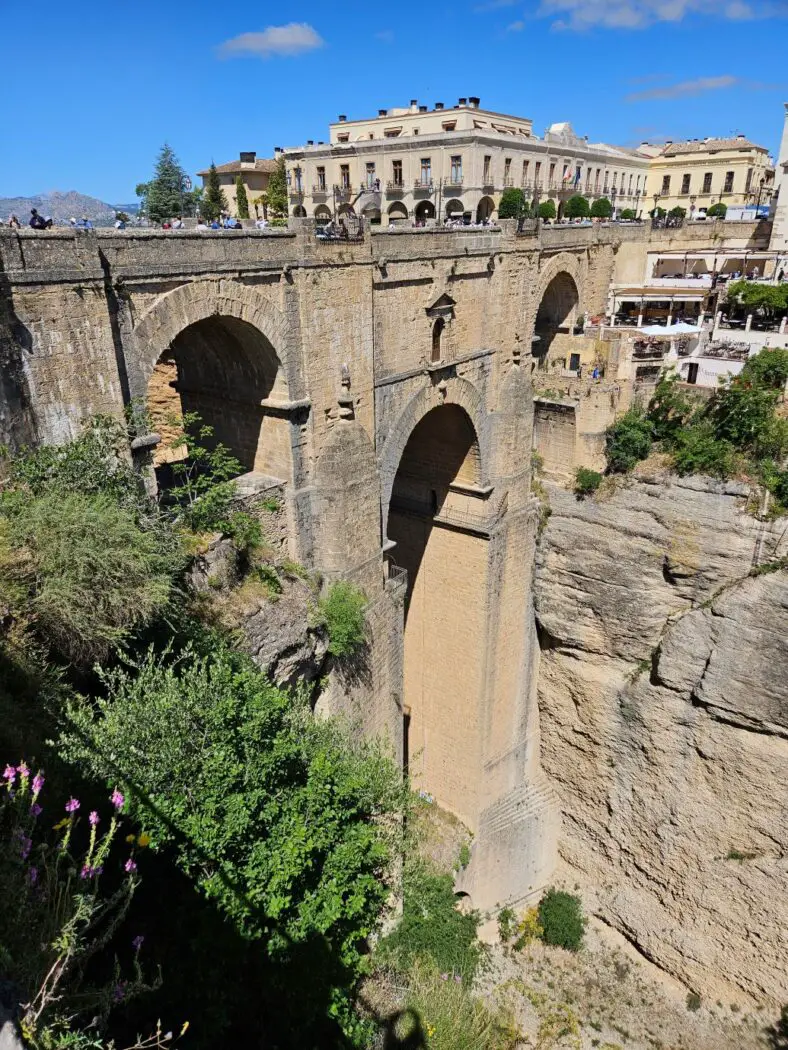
x=696 y=174
x=255 y=173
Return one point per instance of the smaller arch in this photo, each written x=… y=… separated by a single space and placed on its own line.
x=484 y=209
x=322 y=214
x=299 y=212
x=397 y=210
x=371 y=213
x=437 y=334
x=346 y=209
x=424 y=210
x=455 y=209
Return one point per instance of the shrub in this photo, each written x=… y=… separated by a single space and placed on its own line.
x=285 y=822
x=671 y=408
x=717 y=211
x=603 y=209
x=241 y=199
x=577 y=207
x=769 y=368
x=342 y=612
x=586 y=481
x=561 y=918
x=677 y=213
x=431 y=927
x=697 y=450
x=512 y=204
x=743 y=414
x=693 y=1001
x=547 y=209
x=625 y=213
x=507 y=924
x=628 y=440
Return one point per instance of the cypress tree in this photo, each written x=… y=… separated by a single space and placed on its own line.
x=277 y=189
x=241 y=200
x=214 y=201
x=164 y=197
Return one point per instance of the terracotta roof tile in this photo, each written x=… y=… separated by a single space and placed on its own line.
x=706 y=145
x=235 y=167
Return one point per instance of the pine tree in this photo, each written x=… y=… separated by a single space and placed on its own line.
x=241 y=200
x=214 y=201
x=164 y=197
x=277 y=189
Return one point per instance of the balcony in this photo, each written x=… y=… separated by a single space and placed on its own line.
x=488 y=186
x=453 y=183
x=342 y=194
x=320 y=191
x=423 y=186
x=508 y=182
x=296 y=193
x=395 y=188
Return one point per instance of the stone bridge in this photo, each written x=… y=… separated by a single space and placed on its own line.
x=386 y=383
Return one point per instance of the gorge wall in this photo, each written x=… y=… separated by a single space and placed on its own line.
x=664 y=712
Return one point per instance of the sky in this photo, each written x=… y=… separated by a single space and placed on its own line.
x=92 y=89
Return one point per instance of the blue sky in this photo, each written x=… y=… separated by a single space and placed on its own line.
x=95 y=88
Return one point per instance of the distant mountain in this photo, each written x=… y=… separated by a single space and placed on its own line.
x=63 y=207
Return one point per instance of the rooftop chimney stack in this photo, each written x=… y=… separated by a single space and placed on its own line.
x=423 y=109
x=248 y=158
x=342 y=118
x=414 y=105
x=439 y=105
x=310 y=142
x=383 y=112
x=474 y=101
x=463 y=102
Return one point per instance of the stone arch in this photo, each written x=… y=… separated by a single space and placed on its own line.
x=458 y=392
x=484 y=209
x=556 y=302
x=424 y=210
x=454 y=209
x=322 y=214
x=397 y=210
x=299 y=212
x=213 y=348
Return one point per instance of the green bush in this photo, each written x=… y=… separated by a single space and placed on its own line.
x=697 y=450
x=626 y=213
x=603 y=209
x=241 y=198
x=561 y=918
x=677 y=213
x=577 y=207
x=717 y=211
x=431 y=927
x=547 y=209
x=342 y=612
x=512 y=204
x=671 y=408
x=286 y=822
x=586 y=481
x=693 y=1001
x=628 y=440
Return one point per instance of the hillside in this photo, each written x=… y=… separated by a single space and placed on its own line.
x=62 y=206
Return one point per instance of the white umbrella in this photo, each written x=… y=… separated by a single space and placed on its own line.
x=680 y=328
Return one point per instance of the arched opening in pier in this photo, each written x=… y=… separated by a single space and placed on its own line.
x=224 y=373
x=556 y=316
x=435 y=520
x=424 y=210
x=484 y=209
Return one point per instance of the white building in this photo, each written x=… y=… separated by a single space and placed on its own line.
x=420 y=163
x=779 y=240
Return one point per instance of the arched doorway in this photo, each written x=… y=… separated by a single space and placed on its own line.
x=437 y=334
x=397 y=211
x=424 y=210
x=371 y=214
x=430 y=520
x=299 y=212
x=220 y=369
x=556 y=315
x=322 y=215
x=346 y=209
x=454 y=209
x=484 y=209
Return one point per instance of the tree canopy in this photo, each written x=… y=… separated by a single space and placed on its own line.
x=717 y=211
x=577 y=207
x=603 y=209
x=277 y=189
x=241 y=200
x=547 y=209
x=214 y=201
x=163 y=196
x=512 y=205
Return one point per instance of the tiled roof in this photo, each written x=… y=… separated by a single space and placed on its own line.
x=235 y=167
x=706 y=145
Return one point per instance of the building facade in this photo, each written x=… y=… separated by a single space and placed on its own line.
x=696 y=174
x=780 y=202
x=254 y=171
x=421 y=164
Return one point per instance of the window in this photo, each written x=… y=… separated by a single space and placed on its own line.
x=748 y=183
x=370 y=174
x=345 y=137
x=665 y=185
x=578 y=174
x=426 y=171
x=321 y=178
x=707 y=182
x=415 y=131
x=525 y=173
x=637 y=184
x=392 y=133
x=685 y=183
x=344 y=176
x=297 y=174
x=437 y=332
x=630 y=184
x=728 y=187
x=589 y=172
x=396 y=172
x=449 y=125
x=604 y=189
x=538 y=173
x=507 y=171
x=574 y=362
x=596 y=180
x=487 y=176
x=552 y=176
x=456 y=171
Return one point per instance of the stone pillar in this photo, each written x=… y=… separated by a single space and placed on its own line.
x=748 y=323
x=717 y=319
x=640 y=320
x=782 y=325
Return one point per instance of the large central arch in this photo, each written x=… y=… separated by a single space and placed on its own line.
x=434 y=521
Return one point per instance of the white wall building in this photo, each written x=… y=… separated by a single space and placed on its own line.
x=779 y=242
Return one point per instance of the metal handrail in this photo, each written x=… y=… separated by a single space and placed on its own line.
x=420 y=184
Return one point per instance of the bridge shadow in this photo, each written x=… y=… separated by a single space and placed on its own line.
x=17 y=420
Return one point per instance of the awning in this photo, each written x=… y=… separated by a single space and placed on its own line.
x=680 y=328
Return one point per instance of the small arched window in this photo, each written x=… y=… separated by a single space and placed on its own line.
x=437 y=333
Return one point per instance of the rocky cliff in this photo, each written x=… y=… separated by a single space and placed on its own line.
x=664 y=711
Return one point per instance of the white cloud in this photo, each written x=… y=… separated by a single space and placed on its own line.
x=638 y=14
x=516 y=27
x=685 y=89
x=292 y=39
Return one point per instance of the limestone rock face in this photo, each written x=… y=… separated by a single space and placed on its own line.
x=279 y=637
x=664 y=713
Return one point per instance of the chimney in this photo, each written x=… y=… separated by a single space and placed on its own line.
x=248 y=158
x=321 y=143
x=342 y=118
x=423 y=109
x=310 y=142
x=474 y=101
x=383 y=112
x=277 y=149
x=740 y=136
x=414 y=105
x=463 y=102
x=439 y=105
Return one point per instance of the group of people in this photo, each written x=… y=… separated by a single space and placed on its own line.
x=224 y=222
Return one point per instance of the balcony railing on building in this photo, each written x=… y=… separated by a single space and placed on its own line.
x=320 y=190
x=296 y=193
x=394 y=188
x=423 y=186
x=453 y=183
x=508 y=182
x=342 y=194
x=488 y=185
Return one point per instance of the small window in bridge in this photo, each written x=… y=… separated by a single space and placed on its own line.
x=437 y=333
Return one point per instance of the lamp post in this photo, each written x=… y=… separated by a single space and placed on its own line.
x=760 y=191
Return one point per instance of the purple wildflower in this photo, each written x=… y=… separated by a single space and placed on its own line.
x=25 y=845
x=23 y=769
x=119 y=991
x=93 y=818
x=117 y=800
x=130 y=865
x=72 y=805
x=138 y=942
x=9 y=775
x=457 y=979
x=86 y=871
x=38 y=783
x=36 y=810
x=32 y=876
x=444 y=977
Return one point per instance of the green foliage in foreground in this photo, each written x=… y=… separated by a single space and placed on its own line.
x=431 y=927
x=561 y=918
x=628 y=440
x=282 y=820
x=342 y=612
x=586 y=481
